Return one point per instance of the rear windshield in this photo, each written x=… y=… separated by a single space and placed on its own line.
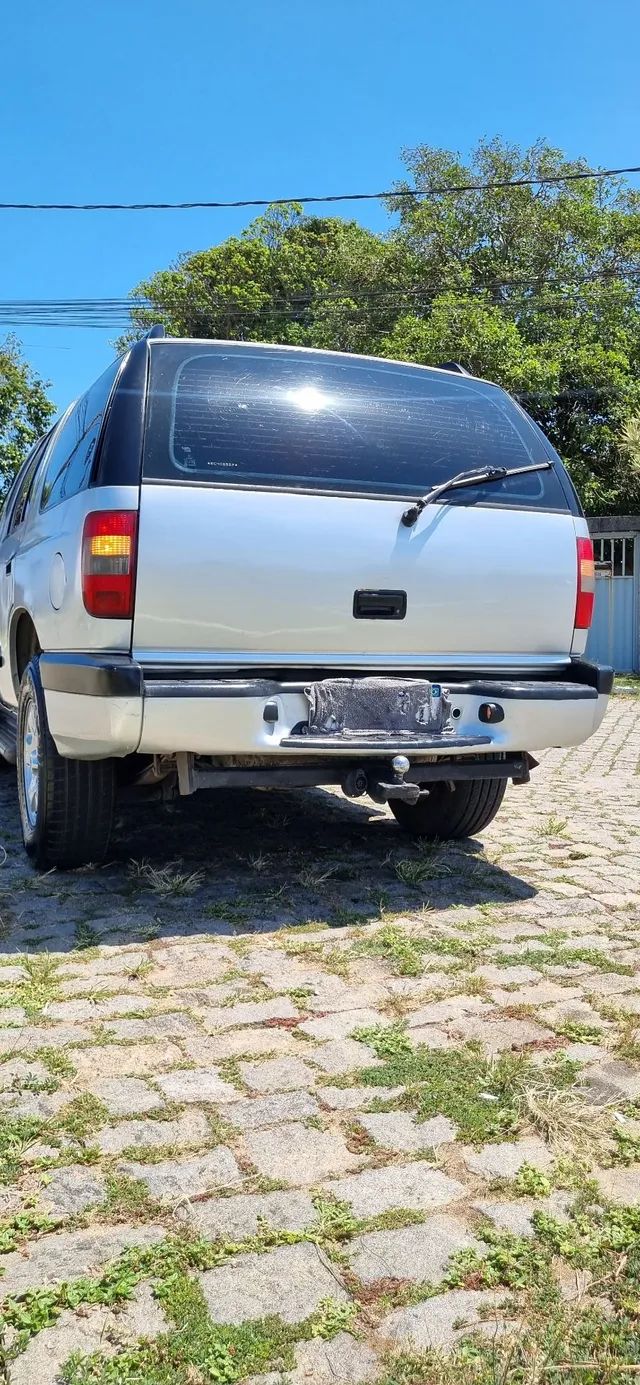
x=263 y=416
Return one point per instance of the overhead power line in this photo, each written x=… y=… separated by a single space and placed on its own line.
x=437 y=190
x=534 y=291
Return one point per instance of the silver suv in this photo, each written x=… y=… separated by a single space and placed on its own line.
x=239 y=564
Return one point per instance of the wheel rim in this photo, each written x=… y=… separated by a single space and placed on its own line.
x=31 y=763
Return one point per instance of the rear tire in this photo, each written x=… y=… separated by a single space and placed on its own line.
x=450 y=813
x=66 y=806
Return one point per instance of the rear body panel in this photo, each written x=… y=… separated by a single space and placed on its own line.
x=237 y=577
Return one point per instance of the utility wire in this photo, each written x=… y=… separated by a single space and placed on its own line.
x=349 y=313
x=454 y=189
x=604 y=274
x=98 y=311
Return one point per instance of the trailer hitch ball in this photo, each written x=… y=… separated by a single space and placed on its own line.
x=407 y=793
x=355 y=783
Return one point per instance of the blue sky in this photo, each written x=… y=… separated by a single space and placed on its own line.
x=152 y=100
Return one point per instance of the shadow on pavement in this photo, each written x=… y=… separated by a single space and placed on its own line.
x=239 y=861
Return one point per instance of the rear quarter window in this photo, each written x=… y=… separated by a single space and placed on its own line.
x=303 y=420
x=72 y=452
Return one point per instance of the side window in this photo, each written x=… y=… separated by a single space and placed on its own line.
x=9 y=500
x=71 y=456
x=20 y=502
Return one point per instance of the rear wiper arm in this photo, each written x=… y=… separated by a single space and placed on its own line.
x=467 y=478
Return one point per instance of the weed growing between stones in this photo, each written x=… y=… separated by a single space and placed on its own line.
x=530 y=1182
x=82 y=1117
x=15 y=1230
x=128 y=1198
x=16 y=1134
x=37 y=989
x=87 y=938
x=404 y=953
x=487 y=1099
x=332 y=1317
x=56 y=1061
x=195 y=1353
x=558 y=953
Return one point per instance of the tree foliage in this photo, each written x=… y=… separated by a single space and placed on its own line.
x=25 y=410
x=535 y=287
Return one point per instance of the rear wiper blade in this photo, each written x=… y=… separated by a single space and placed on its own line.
x=467 y=478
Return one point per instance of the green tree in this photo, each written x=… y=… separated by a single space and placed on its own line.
x=541 y=294
x=25 y=410
x=535 y=287
x=288 y=278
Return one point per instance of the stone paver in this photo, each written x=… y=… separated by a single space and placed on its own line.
x=36 y=1104
x=516 y=1216
x=240 y=1043
x=154 y=1026
x=191 y=1128
x=399 y=1131
x=16 y=1071
x=271 y=1110
x=431 y=1037
x=69 y=1254
x=620 y=1185
x=126 y=1096
x=504 y=1160
x=174 y=1180
x=611 y=1081
x=507 y=976
x=98 y=1009
x=496 y=1034
x=200 y=1084
x=290 y=1281
x=73 y=1189
x=342 y=1024
x=298 y=1154
x=331 y=993
x=112 y=1060
x=445 y=1011
x=440 y=1322
x=252 y=1012
x=420 y=1252
x=277 y=1075
x=354 y=1098
x=343 y=1055
x=341 y=1361
x=12 y=1014
x=20 y=1042
x=236 y=1217
x=413 y=1186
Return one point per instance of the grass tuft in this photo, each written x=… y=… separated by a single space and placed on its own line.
x=166 y=880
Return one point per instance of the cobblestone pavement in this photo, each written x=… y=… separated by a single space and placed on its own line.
x=285 y=1095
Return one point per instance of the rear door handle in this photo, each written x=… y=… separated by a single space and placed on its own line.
x=379 y=605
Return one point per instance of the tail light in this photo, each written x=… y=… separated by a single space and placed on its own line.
x=109 y=563
x=586 y=585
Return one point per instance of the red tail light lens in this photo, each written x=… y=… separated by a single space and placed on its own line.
x=586 y=585
x=109 y=563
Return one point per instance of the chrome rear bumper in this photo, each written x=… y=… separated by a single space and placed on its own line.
x=111 y=705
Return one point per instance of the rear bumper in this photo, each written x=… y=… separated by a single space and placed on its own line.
x=110 y=706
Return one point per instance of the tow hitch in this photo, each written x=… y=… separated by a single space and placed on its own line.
x=381 y=792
